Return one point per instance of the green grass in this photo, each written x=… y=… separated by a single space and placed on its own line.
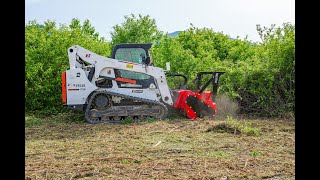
x=126 y=121
x=37 y=119
x=32 y=121
x=254 y=153
x=125 y=161
x=233 y=126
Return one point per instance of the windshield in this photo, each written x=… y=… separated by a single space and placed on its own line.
x=134 y=55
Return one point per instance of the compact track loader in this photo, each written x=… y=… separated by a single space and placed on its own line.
x=128 y=85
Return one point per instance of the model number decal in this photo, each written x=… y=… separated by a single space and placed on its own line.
x=77 y=85
x=137 y=91
x=129 y=66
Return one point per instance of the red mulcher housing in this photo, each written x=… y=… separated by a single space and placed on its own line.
x=198 y=103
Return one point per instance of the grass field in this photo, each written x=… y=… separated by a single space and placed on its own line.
x=64 y=147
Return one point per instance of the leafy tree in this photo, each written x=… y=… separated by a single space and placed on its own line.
x=200 y=49
x=141 y=29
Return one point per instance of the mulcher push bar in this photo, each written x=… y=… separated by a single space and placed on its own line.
x=214 y=79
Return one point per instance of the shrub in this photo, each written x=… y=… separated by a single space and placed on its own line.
x=46 y=58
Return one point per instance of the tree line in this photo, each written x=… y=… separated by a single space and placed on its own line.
x=260 y=76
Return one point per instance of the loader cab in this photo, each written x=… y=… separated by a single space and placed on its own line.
x=134 y=53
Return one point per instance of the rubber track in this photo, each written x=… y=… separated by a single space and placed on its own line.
x=147 y=101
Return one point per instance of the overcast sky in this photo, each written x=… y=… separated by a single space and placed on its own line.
x=232 y=17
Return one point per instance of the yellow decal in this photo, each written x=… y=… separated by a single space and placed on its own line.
x=130 y=66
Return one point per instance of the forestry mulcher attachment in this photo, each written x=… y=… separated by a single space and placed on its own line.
x=128 y=85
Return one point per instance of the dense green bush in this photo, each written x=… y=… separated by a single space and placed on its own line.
x=275 y=57
x=259 y=76
x=46 y=57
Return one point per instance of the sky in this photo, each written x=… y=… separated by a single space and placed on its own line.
x=236 y=18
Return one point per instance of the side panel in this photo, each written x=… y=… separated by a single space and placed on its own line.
x=163 y=86
x=78 y=86
x=156 y=72
x=141 y=93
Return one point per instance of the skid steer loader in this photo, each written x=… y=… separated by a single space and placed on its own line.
x=128 y=85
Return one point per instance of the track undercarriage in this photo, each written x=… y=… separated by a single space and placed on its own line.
x=101 y=108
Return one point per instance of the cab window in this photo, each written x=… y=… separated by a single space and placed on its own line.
x=134 y=55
